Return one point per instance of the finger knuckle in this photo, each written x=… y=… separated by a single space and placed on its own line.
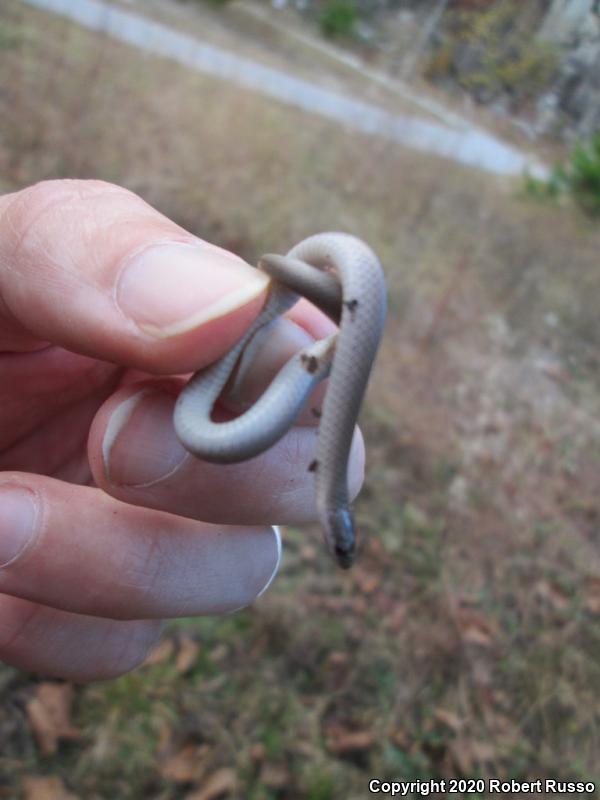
x=46 y=203
x=65 y=190
x=142 y=574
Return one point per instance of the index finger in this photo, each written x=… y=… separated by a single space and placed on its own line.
x=91 y=267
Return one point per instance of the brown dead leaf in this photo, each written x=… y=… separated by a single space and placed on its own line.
x=400 y=739
x=396 y=619
x=461 y=754
x=337 y=659
x=337 y=668
x=308 y=553
x=333 y=603
x=165 y=737
x=359 y=605
x=471 y=755
x=475 y=628
x=162 y=652
x=342 y=743
x=186 y=657
x=187 y=765
x=219 y=652
x=219 y=784
x=473 y=634
x=375 y=548
x=484 y=753
x=384 y=603
x=49 y=713
x=305 y=749
x=274 y=776
x=448 y=718
x=214 y=684
x=592 y=595
x=555 y=372
x=552 y=594
x=47 y=787
x=366 y=580
x=258 y=752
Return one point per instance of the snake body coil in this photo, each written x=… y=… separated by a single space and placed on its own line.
x=343 y=277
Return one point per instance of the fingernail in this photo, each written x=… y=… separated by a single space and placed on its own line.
x=276 y=553
x=263 y=357
x=277 y=534
x=18 y=518
x=173 y=287
x=140 y=446
x=356 y=464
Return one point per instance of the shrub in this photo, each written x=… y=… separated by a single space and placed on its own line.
x=338 y=18
x=490 y=51
x=578 y=177
x=583 y=175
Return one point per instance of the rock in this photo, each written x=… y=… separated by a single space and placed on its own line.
x=576 y=93
x=468 y=59
x=566 y=20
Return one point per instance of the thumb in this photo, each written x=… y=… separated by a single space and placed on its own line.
x=93 y=268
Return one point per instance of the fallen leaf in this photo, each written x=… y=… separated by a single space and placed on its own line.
x=396 y=619
x=186 y=657
x=49 y=713
x=366 y=580
x=344 y=743
x=187 y=765
x=214 y=684
x=162 y=652
x=359 y=605
x=448 y=718
x=306 y=749
x=461 y=753
x=469 y=755
x=555 y=372
x=337 y=659
x=475 y=628
x=274 y=776
x=308 y=553
x=484 y=753
x=258 y=752
x=337 y=668
x=552 y=594
x=400 y=739
x=219 y=784
x=374 y=547
x=165 y=737
x=48 y=787
x=592 y=595
x=219 y=652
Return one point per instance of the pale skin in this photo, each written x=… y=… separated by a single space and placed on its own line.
x=107 y=525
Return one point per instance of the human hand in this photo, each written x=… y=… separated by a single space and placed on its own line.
x=102 y=301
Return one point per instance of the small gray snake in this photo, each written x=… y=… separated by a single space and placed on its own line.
x=343 y=277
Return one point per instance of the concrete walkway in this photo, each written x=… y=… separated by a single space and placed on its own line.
x=471 y=146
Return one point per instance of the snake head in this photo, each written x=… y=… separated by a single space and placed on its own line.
x=340 y=536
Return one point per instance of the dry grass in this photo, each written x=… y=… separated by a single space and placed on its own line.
x=465 y=643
